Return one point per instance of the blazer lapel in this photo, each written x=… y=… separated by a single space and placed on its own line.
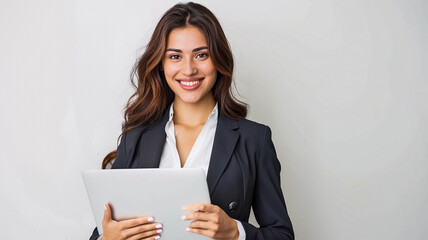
x=153 y=142
x=224 y=143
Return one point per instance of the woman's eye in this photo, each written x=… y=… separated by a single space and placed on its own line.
x=174 y=57
x=202 y=55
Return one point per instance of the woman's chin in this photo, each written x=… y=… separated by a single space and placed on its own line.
x=189 y=101
x=192 y=99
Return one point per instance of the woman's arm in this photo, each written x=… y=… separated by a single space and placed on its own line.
x=268 y=202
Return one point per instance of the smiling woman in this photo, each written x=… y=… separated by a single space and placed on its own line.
x=183 y=115
x=188 y=67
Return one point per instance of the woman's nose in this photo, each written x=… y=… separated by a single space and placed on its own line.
x=189 y=67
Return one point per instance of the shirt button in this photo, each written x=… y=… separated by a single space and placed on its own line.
x=232 y=206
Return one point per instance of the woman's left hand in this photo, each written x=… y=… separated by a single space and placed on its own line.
x=210 y=220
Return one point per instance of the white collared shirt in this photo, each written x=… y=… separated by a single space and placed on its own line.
x=199 y=156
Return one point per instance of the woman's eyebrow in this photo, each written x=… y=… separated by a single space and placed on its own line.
x=199 y=48
x=179 y=50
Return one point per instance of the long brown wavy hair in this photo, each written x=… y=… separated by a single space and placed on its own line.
x=152 y=94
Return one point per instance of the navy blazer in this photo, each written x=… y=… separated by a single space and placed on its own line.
x=244 y=172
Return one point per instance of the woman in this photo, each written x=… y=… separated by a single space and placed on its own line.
x=183 y=114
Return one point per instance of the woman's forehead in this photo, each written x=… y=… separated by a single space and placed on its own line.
x=186 y=39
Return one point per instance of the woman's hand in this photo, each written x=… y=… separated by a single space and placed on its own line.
x=210 y=220
x=137 y=228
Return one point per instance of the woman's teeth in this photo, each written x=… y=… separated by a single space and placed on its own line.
x=189 y=83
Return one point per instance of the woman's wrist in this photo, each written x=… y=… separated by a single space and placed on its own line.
x=236 y=230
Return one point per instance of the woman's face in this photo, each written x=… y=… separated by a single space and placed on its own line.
x=188 y=67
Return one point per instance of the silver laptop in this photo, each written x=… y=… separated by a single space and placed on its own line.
x=161 y=193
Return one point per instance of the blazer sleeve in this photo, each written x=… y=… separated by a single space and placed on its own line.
x=268 y=201
x=119 y=162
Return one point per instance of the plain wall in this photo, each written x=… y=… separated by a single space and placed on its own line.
x=342 y=84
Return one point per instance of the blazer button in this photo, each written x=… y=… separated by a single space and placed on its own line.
x=232 y=206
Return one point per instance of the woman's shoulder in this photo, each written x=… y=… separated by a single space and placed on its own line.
x=244 y=126
x=251 y=125
x=137 y=132
x=252 y=129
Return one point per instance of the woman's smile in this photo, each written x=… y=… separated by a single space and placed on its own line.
x=190 y=83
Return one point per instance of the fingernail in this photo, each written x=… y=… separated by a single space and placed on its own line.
x=159 y=226
x=150 y=219
x=157 y=237
x=105 y=206
x=188 y=229
x=159 y=231
x=183 y=217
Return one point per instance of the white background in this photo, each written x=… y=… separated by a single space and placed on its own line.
x=342 y=84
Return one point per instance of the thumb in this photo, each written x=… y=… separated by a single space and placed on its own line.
x=107 y=213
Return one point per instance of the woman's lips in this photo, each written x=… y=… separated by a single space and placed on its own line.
x=190 y=84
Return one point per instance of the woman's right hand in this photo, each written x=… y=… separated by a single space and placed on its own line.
x=132 y=229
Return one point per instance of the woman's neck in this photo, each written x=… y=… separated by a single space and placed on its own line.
x=193 y=114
